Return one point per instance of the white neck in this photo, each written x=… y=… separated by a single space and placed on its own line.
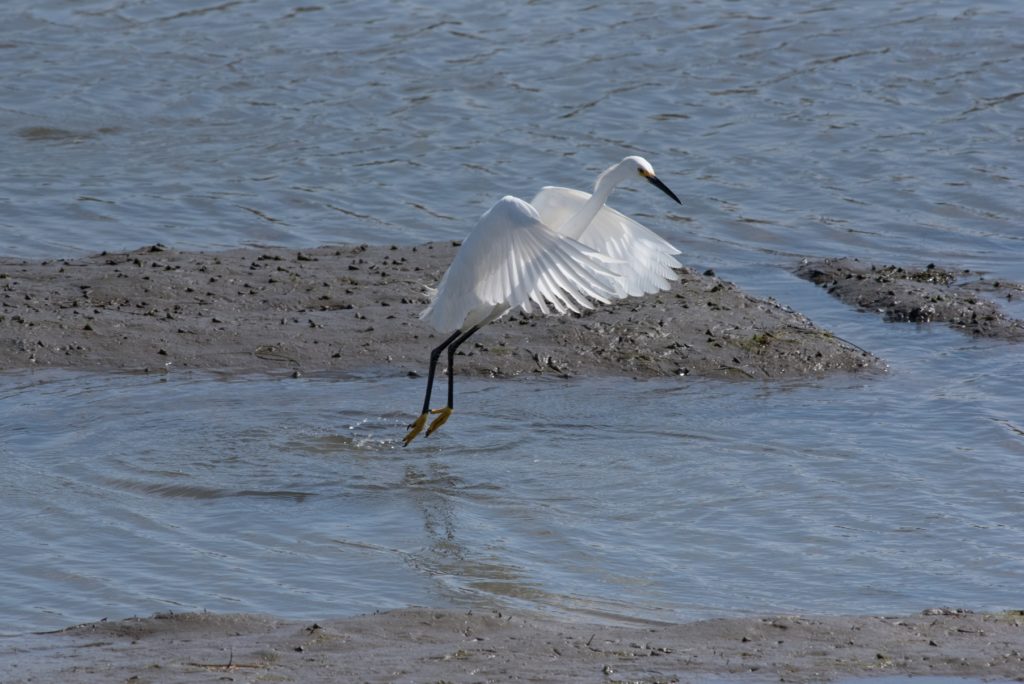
x=606 y=182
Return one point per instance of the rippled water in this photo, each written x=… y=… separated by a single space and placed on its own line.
x=130 y=494
x=889 y=131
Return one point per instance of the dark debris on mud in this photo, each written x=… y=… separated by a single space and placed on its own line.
x=920 y=295
x=355 y=307
x=433 y=645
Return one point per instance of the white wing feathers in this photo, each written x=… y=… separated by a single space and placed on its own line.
x=647 y=261
x=511 y=259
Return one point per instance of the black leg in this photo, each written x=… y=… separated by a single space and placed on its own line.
x=417 y=425
x=451 y=363
x=434 y=356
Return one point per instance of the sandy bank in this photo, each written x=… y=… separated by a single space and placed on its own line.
x=920 y=295
x=354 y=307
x=423 y=645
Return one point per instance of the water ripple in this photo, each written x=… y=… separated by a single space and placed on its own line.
x=879 y=130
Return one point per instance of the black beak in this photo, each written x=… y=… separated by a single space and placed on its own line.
x=661 y=186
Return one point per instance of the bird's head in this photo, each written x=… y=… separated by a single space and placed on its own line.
x=639 y=165
x=646 y=171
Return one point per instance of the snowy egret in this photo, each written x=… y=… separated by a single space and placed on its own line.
x=564 y=249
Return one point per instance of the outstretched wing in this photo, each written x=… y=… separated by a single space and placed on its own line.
x=511 y=259
x=648 y=261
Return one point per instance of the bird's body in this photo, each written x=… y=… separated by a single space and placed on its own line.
x=646 y=262
x=564 y=250
x=512 y=259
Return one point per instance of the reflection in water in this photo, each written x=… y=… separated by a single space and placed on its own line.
x=196 y=493
x=462 y=575
x=432 y=495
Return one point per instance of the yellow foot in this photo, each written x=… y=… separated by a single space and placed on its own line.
x=415 y=429
x=441 y=419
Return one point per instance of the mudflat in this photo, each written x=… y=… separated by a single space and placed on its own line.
x=920 y=294
x=355 y=307
x=424 y=645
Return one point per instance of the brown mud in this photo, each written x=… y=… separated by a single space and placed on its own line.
x=920 y=295
x=355 y=307
x=423 y=645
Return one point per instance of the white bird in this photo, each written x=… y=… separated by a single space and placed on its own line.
x=563 y=250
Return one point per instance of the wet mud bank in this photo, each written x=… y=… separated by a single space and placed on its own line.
x=920 y=295
x=419 y=644
x=355 y=307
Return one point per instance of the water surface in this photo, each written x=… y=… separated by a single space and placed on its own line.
x=889 y=131
x=881 y=129
x=614 y=499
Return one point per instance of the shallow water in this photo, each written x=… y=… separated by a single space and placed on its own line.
x=889 y=131
x=878 y=129
x=127 y=494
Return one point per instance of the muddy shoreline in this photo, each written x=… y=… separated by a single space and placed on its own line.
x=355 y=307
x=928 y=294
x=426 y=645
